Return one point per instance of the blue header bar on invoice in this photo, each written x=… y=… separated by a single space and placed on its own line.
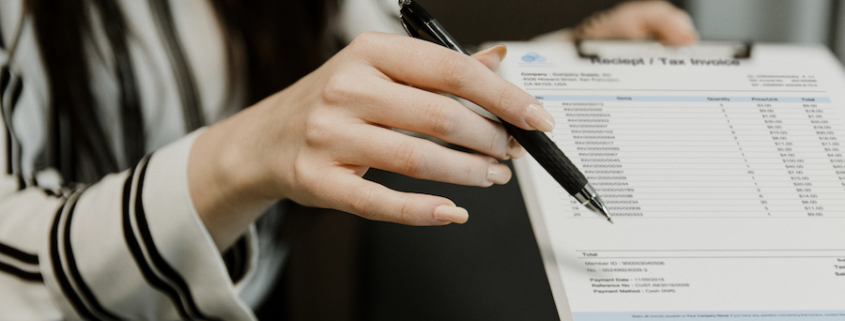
x=712 y=99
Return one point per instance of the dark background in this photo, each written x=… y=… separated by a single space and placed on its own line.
x=345 y=268
x=475 y=21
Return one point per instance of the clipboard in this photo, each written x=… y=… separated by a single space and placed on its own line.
x=659 y=138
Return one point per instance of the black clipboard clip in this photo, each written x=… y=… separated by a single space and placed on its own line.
x=738 y=50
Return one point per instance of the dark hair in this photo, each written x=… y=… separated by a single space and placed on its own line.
x=272 y=42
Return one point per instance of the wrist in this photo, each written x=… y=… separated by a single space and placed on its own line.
x=222 y=185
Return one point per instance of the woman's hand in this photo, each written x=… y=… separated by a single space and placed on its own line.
x=640 y=20
x=313 y=141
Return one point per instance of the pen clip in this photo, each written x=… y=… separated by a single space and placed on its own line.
x=419 y=29
x=419 y=24
x=409 y=29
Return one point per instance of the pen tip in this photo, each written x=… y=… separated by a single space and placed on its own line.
x=596 y=205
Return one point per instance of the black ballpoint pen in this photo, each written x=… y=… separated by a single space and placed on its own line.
x=421 y=25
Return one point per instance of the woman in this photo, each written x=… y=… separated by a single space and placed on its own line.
x=91 y=228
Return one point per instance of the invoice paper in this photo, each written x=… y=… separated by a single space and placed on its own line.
x=725 y=179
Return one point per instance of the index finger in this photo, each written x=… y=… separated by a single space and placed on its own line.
x=424 y=64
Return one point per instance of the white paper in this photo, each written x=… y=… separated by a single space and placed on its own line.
x=725 y=179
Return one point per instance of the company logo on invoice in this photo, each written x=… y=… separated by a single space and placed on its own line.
x=533 y=57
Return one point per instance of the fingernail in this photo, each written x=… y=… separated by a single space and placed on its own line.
x=538 y=117
x=515 y=150
x=500 y=50
x=498 y=174
x=449 y=213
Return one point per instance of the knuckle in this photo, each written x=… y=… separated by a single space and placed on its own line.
x=410 y=159
x=455 y=70
x=503 y=100
x=318 y=129
x=498 y=143
x=476 y=173
x=363 y=203
x=365 y=41
x=442 y=117
x=406 y=212
x=303 y=175
x=506 y=104
x=338 y=88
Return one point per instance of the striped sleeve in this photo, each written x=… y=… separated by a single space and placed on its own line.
x=128 y=247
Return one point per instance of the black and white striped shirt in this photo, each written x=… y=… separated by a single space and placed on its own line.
x=130 y=246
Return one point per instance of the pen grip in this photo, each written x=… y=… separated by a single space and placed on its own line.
x=546 y=152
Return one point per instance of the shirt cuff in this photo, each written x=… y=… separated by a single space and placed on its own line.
x=180 y=236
